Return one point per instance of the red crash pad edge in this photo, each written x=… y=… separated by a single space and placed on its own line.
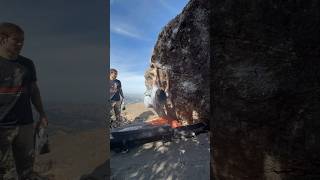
x=163 y=121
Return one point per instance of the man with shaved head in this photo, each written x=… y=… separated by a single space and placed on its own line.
x=18 y=89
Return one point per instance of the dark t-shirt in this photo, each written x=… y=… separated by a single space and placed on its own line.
x=115 y=87
x=16 y=77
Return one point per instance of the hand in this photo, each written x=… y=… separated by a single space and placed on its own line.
x=43 y=121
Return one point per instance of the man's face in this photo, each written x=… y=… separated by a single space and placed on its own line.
x=13 y=44
x=113 y=75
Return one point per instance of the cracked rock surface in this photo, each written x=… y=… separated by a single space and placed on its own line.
x=181 y=59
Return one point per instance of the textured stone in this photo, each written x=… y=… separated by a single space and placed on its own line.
x=265 y=89
x=181 y=55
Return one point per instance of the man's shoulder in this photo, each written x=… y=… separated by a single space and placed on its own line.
x=24 y=59
x=115 y=81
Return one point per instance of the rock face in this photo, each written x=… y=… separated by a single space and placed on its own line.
x=181 y=61
x=266 y=93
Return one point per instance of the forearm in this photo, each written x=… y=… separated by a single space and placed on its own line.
x=36 y=100
x=121 y=93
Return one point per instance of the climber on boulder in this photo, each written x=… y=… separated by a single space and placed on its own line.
x=156 y=97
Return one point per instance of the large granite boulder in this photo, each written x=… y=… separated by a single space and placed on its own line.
x=265 y=89
x=181 y=60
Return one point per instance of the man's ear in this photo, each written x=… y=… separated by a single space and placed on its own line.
x=3 y=39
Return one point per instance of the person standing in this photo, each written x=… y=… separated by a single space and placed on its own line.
x=18 y=90
x=116 y=96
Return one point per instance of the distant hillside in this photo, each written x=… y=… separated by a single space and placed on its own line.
x=76 y=117
x=69 y=117
x=133 y=98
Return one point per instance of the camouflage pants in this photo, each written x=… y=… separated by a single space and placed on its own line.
x=16 y=151
x=115 y=113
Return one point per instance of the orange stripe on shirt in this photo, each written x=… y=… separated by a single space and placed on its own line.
x=12 y=89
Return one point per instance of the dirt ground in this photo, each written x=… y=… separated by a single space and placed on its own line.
x=187 y=158
x=86 y=154
x=75 y=156
x=180 y=159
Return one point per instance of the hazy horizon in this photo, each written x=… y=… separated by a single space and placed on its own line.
x=68 y=46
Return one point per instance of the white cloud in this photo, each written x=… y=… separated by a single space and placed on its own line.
x=127 y=30
x=166 y=5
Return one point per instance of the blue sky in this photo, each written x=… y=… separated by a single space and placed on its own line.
x=134 y=29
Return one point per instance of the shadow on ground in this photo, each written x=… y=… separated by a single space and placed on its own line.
x=101 y=172
x=179 y=159
x=144 y=116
